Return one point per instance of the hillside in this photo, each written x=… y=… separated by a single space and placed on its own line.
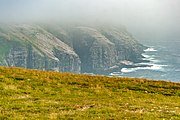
x=32 y=94
x=73 y=48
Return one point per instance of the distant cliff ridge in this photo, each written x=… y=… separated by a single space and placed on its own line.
x=77 y=49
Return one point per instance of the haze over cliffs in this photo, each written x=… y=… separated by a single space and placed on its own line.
x=72 y=48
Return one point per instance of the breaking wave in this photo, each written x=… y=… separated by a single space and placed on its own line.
x=150 y=58
x=150 y=50
x=154 y=67
x=151 y=65
x=160 y=62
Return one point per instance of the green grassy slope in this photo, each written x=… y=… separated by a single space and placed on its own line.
x=31 y=94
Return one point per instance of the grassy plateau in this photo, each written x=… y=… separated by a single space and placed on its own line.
x=33 y=94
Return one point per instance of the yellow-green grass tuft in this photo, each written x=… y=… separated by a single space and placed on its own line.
x=33 y=94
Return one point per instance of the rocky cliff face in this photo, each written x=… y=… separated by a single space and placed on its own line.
x=127 y=48
x=32 y=47
x=73 y=49
x=95 y=50
x=101 y=49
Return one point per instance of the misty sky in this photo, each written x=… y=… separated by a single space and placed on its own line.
x=147 y=19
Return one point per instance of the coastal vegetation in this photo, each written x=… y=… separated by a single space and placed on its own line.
x=33 y=94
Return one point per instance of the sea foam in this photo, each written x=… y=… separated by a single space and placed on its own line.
x=155 y=67
x=150 y=50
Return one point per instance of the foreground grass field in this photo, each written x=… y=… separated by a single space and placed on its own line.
x=31 y=94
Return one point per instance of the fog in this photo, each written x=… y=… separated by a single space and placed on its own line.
x=146 y=19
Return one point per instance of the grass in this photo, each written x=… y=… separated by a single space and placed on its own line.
x=32 y=94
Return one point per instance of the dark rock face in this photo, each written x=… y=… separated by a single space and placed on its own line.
x=102 y=49
x=37 y=49
x=127 y=48
x=95 y=50
x=34 y=59
x=17 y=57
x=74 y=49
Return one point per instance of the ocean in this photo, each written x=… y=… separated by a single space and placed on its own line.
x=164 y=62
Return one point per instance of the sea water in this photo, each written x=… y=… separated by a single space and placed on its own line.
x=164 y=62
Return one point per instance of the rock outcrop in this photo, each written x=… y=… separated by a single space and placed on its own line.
x=127 y=48
x=32 y=47
x=95 y=50
x=102 y=49
x=77 y=49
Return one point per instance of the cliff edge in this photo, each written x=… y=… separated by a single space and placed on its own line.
x=77 y=49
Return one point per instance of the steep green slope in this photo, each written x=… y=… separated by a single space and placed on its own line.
x=31 y=94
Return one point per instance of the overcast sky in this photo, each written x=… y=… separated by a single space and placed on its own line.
x=144 y=18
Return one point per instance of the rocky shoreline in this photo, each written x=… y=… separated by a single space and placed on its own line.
x=76 y=49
